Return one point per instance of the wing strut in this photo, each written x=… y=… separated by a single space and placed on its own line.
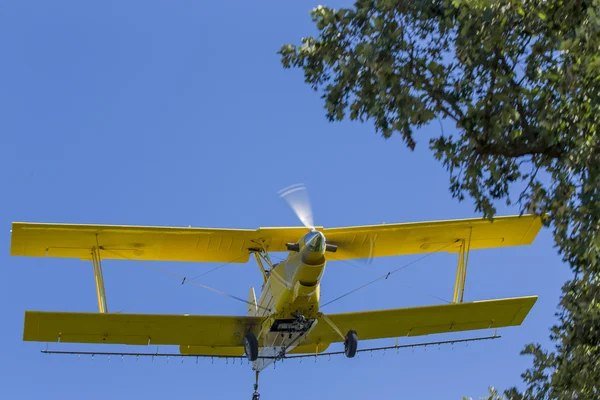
x=263 y=255
x=97 y=263
x=461 y=269
x=258 y=257
x=332 y=325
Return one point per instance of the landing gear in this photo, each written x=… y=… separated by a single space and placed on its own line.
x=251 y=346
x=351 y=344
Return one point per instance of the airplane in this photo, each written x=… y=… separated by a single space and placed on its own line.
x=285 y=319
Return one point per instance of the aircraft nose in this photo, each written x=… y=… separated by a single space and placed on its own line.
x=315 y=241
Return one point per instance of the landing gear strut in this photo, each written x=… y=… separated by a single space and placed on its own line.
x=351 y=344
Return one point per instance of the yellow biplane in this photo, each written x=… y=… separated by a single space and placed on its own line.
x=285 y=319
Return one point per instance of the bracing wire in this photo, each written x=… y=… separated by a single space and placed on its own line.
x=371 y=271
x=183 y=279
x=388 y=274
x=170 y=290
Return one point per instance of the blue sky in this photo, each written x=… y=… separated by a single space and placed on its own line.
x=179 y=113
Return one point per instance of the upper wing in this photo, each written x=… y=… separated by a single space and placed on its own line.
x=146 y=242
x=233 y=245
x=139 y=329
x=425 y=320
x=424 y=237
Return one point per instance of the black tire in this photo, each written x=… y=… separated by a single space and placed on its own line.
x=251 y=346
x=351 y=344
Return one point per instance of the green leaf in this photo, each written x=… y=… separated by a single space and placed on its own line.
x=488 y=14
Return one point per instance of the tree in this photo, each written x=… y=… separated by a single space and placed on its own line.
x=521 y=82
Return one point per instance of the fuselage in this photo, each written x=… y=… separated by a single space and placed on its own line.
x=293 y=286
x=290 y=294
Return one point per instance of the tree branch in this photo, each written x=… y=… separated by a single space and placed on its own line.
x=439 y=98
x=490 y=95
x=517 y=149
x=524 y=116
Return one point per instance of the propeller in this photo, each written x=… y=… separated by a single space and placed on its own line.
x=296 y=196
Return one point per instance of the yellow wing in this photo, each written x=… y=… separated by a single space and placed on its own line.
x=426 y=320
x=233 y=245
x=203 y=331
x=146 y=242
x=425 y=237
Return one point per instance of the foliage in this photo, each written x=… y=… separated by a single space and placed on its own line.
x=493 y=395
x=521 y=82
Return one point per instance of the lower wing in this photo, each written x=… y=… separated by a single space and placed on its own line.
x=223 y=335
x=423 y=320
x=201 y=334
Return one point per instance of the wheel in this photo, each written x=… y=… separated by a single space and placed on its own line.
x=251 y=346
x=351 y=344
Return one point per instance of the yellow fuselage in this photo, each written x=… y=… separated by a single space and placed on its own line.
x=293 y=286
x=291 y=292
